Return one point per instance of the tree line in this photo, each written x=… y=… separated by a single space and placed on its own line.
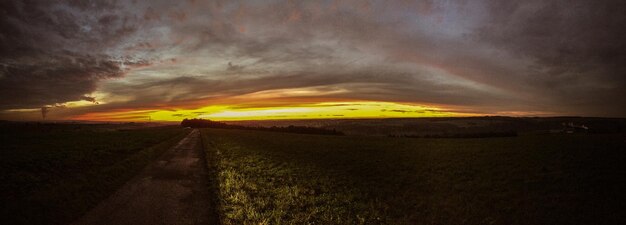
x=204 y=123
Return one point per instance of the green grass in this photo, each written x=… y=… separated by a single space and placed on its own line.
x=278 y=178
x=52 y=174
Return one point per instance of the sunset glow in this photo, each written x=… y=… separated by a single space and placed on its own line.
x=312 y=111
x=239 y=60
x=327 y=110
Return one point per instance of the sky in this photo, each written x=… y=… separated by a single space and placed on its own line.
x=165 y=60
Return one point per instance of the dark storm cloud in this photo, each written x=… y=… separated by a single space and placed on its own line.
x=54 y=51
x=578 y=47
x=51 y=80
x=562 y=57
x=567 y=70
x=565 y=36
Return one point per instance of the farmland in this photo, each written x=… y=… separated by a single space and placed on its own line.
x=53 y=173
x=280 y=178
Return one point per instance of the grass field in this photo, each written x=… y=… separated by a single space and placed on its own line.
x=278 y=178
x=52 y=173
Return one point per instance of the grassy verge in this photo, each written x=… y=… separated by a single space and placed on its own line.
x=53 y=174
x=274 y=178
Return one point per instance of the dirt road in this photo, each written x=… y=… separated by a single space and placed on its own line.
x=172 y=190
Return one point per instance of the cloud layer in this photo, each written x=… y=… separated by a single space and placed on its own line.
x=535 y=57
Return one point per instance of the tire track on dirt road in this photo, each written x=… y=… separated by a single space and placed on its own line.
x=172 y=190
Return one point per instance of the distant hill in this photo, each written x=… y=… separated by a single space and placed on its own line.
x=454 y=126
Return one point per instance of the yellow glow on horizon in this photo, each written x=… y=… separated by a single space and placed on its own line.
x=256 y=113
x=324 y=110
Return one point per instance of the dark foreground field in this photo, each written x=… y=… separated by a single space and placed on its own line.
x=278 y=178
x=53 y=173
